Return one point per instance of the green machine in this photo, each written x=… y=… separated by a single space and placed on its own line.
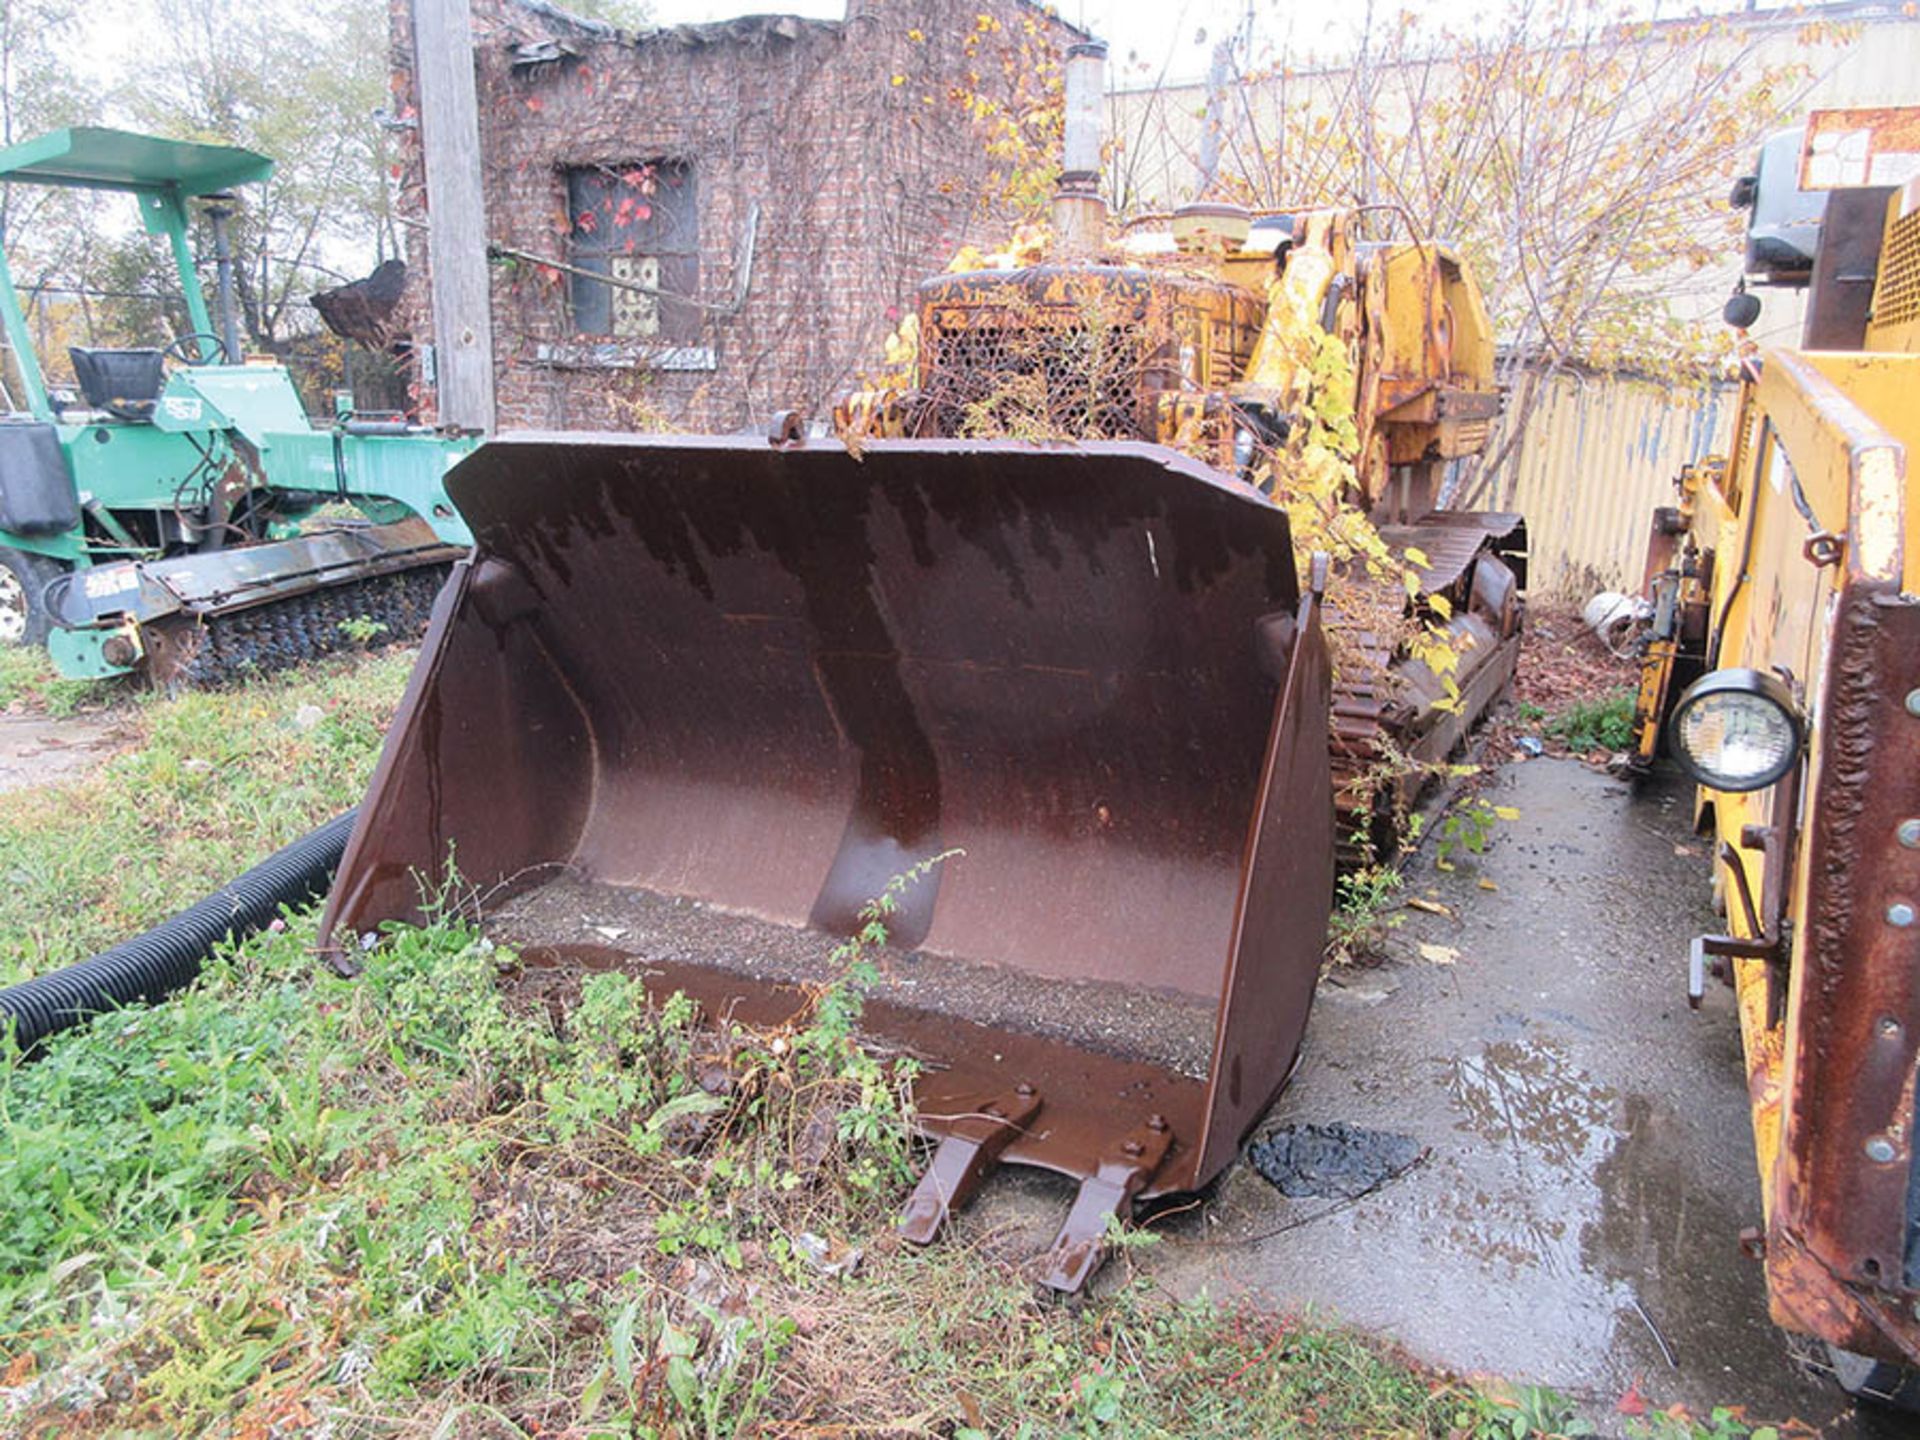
x=180 y=515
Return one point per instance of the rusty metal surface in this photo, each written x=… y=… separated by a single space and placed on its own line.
x=1859 y=145
x=1126 y=1167
x=1846 y=1192
x=1451 y=540
x=1289 y=862
x=1840 y=292
x=1112 y=343
x=1062 y=293
x=1831 y=1071
x=772 y=677
x=1385 y=703
x=966 y=1156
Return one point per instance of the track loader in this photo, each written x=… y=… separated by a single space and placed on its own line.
x=1229 y=337
x=1785 y=580
x=693 y=701
x=164 y=518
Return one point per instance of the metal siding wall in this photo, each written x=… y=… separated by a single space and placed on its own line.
x=1600 y=455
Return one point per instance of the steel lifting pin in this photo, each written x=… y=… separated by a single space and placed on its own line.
x=1879 y=1149
x=1913 y=702
x=1900 y=915
x=1909 y=833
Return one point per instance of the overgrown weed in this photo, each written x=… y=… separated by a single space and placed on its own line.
x=1584 y=726
x=1366 y=907
x=285 y=1191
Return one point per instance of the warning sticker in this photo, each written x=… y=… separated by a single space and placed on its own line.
x=110 y=580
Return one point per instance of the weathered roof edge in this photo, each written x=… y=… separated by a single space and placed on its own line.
x=738 y=28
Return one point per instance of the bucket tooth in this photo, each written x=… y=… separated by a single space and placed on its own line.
x=968 y=1153
x=1108 y=1193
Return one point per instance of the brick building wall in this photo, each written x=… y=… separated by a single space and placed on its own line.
x=844 y=150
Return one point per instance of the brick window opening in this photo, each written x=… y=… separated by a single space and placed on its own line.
x=637 y=222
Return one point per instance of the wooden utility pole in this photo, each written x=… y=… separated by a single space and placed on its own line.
x=456 y=213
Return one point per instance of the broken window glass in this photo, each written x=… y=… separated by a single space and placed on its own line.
x=637 y=224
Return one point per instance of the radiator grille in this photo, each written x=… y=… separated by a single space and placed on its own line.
x=1896 y=299
x=1056 y=383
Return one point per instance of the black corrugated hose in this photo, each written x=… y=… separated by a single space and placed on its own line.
x=152 y=966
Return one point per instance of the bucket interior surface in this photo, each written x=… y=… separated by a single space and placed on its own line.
x=801 y=675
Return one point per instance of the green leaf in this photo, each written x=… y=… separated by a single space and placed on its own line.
x=696 y=1103
x=684 y=1384
x=590 y=1396
x=621 y=1339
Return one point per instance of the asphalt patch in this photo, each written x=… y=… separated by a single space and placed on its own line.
x=1336 y=1160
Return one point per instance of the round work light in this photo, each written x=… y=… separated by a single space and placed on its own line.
x=1736 y=730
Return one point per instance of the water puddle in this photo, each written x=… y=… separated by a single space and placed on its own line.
x=1527 y=1095
x=1592 y=1197
x=1549 y=1126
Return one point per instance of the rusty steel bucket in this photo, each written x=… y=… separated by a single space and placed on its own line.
x=693 y=701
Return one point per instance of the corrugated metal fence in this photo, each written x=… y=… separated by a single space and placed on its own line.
x=1600 y=454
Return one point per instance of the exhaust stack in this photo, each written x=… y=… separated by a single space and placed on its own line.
x=1079 y=214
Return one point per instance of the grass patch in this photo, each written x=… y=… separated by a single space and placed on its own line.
x=1602 y=724
x=29 y=683
x=212 y=783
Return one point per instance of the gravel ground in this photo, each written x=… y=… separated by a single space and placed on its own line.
x=1160 y=1029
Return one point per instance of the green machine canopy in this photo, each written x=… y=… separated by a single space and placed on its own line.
x=161 y=175
x=92 y=158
